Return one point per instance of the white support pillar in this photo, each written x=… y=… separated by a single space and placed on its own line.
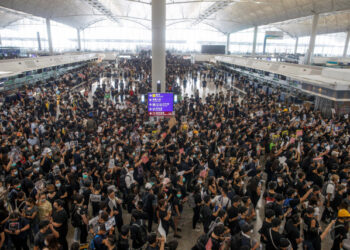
x=78 y=37
x=228 y=43
x=310 y=51
x=39 y=40
x=296 y=45
x=254 y=40
x=346 y=47
x=49 y=37
x=158 y=44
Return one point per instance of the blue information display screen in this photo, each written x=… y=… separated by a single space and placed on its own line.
x=160 y=104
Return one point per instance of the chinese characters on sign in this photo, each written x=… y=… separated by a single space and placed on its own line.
x=160 y=104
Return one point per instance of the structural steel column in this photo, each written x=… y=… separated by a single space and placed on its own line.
x=254 y=40
x=79 y=42
x=49 y=37
x=228 y=43
x=346 y=44
x=39 y=41
x=158 y=44
x=296 y=45
x=310 y=51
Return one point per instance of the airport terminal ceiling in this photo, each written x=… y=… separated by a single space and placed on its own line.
x=291 y=16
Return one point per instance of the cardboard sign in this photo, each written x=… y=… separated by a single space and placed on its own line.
x=299 y=133
x=145 y=159
x=110 y=223
x=95 y=197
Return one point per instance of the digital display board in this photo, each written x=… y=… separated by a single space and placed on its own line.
x=160 y=104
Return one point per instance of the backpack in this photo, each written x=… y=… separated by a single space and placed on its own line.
x=122 y=183
x=236 y=241
x=202 y=242
x=92 y=243
x=324 y=188
x=332 y=232
x=140 y=172
x=145 y=201
x=77 y=221
x=141 y=234
x=213 y=224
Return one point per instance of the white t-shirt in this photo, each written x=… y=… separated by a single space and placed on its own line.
x=331 y=189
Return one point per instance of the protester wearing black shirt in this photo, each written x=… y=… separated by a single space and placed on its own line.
x=59 y=221
x=123 y=242
x=266 y=225
x=292 y=229
x=17 y=227
x=273 y=236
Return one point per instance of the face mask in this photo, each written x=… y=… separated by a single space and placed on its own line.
x=58 y=185
x=19 y=186
x=178 y=195
x=16 y=173
x=13 y=165
x=37 y=169
x=183 y=179
x=32 y=157
x=200 y=182
x=84 y=176
x=43 y=200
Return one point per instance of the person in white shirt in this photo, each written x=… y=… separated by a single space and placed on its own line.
x=129 y=178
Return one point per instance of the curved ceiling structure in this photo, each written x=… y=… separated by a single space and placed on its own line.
x=226 y=16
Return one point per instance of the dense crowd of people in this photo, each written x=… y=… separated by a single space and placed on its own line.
x=83 y=159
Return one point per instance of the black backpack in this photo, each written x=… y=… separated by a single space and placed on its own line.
x=141 y=232
x=122 y=183
x=201 y=242
x=236 y=241
x=77 y=221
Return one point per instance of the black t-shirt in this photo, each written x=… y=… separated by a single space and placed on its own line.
x=264 y=230
x=232 y=212
x=273 y=239
x=216 y=244
x=162 y=215
x=339 y=233
x=152 y=248
x=293 y=233
x=206 y=215
x=123 y=244
x=61 y=218
x=17 y=225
